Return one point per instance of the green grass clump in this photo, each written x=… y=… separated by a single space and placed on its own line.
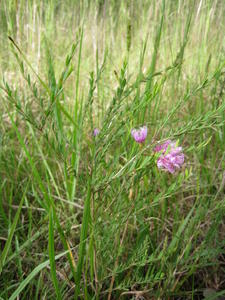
x=86 y=217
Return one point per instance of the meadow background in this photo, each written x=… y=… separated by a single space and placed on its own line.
x=94 y=218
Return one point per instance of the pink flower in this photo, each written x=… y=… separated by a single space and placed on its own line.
x=172 y=157
x=96 y=131
x=140 y=134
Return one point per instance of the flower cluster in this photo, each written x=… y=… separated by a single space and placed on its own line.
x=171 y=156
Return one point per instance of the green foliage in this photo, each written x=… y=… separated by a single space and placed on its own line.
x=89 y=217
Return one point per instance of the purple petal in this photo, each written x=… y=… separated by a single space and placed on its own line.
x=171 y=158
x=140 y=134
x=163 y=147
x=96 y=131
x=165 y=164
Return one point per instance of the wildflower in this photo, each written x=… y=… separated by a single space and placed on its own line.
x=140 y=134
x=96 y=131
x=171 y=158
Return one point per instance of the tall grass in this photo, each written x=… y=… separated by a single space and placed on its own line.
x=86 y=217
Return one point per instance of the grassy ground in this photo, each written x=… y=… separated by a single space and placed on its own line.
x=94 y=218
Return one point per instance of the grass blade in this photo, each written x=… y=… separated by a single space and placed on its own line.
x=34 y=273
x=83 y=236
x=52 y=254
x=11 y=233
